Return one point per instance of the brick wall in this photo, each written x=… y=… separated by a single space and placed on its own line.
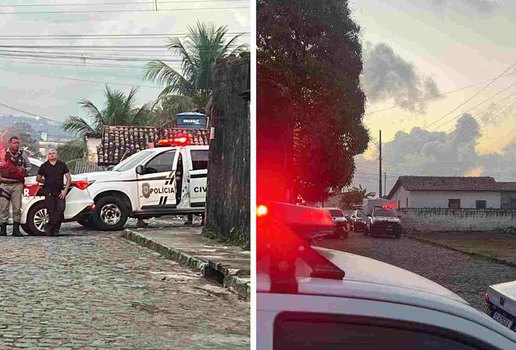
x=441 y=219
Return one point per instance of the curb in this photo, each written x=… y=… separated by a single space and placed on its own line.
x=209 y=269
x=486 y=257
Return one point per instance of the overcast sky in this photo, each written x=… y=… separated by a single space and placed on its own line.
x=417 y=50
x=38 y=85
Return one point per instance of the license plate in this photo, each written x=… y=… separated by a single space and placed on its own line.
x=502 y=319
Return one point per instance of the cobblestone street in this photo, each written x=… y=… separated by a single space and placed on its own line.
x=99 y=291
x=465 y=275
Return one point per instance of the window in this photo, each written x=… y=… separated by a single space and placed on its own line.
x=199 y=159
x=330 y=331
x=132 y=161
x=161 y=163
x=482 y=204
x=406 y=205
x=454 y=203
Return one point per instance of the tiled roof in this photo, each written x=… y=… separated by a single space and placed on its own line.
x=451 y=183
x=118 y=141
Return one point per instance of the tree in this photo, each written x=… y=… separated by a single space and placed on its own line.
x=71 y=150
x=315 y=56
x=25 y=133
x=119 y=109
x=199 y=52
x=165 y=110
x=355 y=196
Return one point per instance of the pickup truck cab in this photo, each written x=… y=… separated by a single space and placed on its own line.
x=145 y=185
x=383 y=220
x=501 y=303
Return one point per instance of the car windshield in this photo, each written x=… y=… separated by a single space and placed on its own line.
x=132 y=161
x=385 y=213
x=336 y=213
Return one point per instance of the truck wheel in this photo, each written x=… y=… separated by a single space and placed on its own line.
x=37 y=218
x=110 y=215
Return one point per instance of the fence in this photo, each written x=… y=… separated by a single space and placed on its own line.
x=448 y=220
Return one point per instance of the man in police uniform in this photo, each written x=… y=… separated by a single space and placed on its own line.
x=14 y=166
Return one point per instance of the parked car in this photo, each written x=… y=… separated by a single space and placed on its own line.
x=316 y=298
x=144 y=185
x=79 y=203
x=501 y=303
x=342 y=225
x=358 y=221
x=383 y=221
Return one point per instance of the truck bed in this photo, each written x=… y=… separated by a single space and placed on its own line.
x=506 y=293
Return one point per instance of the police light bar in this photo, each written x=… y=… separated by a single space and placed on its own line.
x=391 y=206
x=176 y=141
x=282 y=230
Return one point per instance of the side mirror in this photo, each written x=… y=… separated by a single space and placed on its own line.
x=140 y=170
x=110 y=167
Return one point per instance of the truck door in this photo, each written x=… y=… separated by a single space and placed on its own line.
x=157 y=186
x=198 y=176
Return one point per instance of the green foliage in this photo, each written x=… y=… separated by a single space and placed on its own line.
x=355 y=196
x=71 y=150
x=314 y=51
x=199 y=52
x=119 y=109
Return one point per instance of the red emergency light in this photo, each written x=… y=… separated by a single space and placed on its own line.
x=282 y=230
x=390 y=206
x=176 y=141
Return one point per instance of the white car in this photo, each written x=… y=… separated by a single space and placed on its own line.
x=34 y=213
x=317 y=298
x=501 y=303
x=144 y=186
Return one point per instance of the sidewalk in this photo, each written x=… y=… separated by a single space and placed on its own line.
x=493 y=246
x=228 y=265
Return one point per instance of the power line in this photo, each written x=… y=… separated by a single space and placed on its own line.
x=123 y=11
x=115 y=3
x=28 y=113
x=396 y=106
x=82 y=80
x=105 y=36
x=475 y=95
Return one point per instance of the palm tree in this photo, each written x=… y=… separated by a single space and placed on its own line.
x=119 y=110
x=199 y=52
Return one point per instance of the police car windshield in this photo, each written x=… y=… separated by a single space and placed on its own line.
x=132 y=161
x=385 y=213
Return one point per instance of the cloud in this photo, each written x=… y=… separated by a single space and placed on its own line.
x=387 y=76
x=432 y=153
x=479 y=6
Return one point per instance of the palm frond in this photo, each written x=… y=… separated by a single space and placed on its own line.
x=78 y=125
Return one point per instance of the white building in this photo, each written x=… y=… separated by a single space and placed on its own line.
x=453 y=192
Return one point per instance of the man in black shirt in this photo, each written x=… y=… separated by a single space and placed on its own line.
x=51 y=174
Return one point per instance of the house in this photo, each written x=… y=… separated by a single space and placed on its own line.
x=453 y=192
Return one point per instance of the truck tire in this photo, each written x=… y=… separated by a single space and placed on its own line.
x=110 y=215
x=37 y=217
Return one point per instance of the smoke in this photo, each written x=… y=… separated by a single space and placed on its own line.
x=423 y=152
x=480 y=6
x=387 y=76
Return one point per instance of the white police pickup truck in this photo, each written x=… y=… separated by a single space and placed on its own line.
x=501 y=303
x=144 y=185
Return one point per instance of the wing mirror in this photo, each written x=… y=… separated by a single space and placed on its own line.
x=140 y=170
x=110 y=167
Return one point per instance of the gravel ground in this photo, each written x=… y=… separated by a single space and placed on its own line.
x=467 y=276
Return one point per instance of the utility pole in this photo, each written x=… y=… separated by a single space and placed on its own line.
x=380 y=169
x=156 y=5
x=385 y=182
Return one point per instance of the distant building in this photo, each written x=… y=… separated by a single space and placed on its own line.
x=453 y=192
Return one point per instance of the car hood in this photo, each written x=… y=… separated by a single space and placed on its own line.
x=386 y=219
x=362 y=269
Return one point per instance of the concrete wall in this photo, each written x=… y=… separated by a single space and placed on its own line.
x=439 y=199
x=506 y=199
x=439 y=220
x=402 y=198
